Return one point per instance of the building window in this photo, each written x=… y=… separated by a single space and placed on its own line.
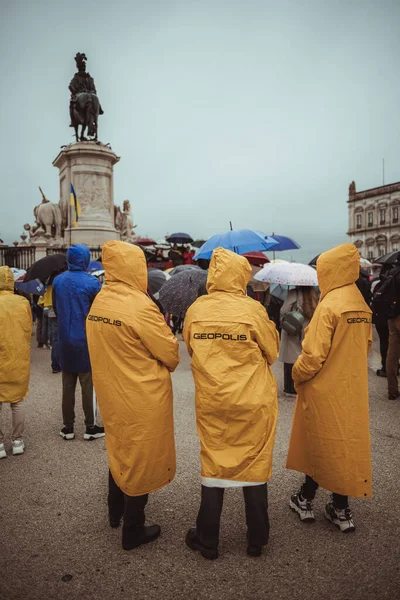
x=358 y=222
x=382 y=214
x=370 y=254
x=381 y=251
x=370 y=219
x=395 y=214
x=395 y=247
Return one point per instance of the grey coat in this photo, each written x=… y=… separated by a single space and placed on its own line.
x=290 y=348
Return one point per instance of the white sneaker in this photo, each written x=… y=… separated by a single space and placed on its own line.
x=303 y=508
x=343 y=519
x=3 y=453
x=18 y=447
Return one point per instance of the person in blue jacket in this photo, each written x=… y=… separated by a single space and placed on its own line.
x=73 y=294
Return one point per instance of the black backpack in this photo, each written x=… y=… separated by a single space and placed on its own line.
x=385 y=299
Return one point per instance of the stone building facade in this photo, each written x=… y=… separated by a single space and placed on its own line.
x=374 y=220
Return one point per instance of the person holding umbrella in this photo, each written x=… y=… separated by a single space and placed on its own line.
x=330 y=440
x=73 y=294
x=233 y=344
x=133 y=352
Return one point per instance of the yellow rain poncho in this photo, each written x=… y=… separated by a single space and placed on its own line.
x=132 y=352
x=233 y=344
x=15 y=340
x=330 y=435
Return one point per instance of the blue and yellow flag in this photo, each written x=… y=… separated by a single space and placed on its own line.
x=75 y=203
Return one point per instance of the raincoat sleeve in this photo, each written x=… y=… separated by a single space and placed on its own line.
x=186 y=332
x=157 y=337
x=316 y=346
x=267 y=337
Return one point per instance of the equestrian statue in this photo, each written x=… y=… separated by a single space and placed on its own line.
x=84 y=107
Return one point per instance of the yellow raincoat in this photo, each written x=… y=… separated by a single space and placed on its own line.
x=132 y=352
x=233 y=344
x=330 y=435
x=15 y=340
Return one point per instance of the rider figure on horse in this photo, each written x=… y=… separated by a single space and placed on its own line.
x=82 y=83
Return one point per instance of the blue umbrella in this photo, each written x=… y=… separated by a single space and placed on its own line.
x=180 y=238
x=95 y=265
x=284 y=243
x=237 y=240
x=34 y=286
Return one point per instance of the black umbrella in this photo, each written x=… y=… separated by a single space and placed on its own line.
x=388 y=259
x=180 y=238
x=43 y=268
x=156 y=279
x=313 y=262
x=198 y=243
x=179 y=292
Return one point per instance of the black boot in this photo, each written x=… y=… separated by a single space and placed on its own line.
x=194 y=543
x=132 y=538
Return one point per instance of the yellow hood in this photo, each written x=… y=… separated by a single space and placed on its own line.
x=338 y=267
x=125 y=263
x=6 y=280
x=228 y=272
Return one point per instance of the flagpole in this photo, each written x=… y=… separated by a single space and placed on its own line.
x=70 y=225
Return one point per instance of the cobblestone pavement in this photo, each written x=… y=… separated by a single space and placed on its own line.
x=55 y=541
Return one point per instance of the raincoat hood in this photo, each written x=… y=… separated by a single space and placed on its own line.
x=6 y=280
x=78 y=257
x=228 y=272
x=125 y=263
x=338 y=267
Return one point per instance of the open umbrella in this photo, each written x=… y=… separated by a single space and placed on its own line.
x=284 y=243
x=237 y=240
x=146 y=241
x=43 y=268
x=180 y=238
x=183 y=268
x=95 y=265
x=156 y=279
x=288 y=274
x=388 y=259
x=198 y=243
x=179 y=292
x=256 y=258
x=19 y=274
x=35 y=286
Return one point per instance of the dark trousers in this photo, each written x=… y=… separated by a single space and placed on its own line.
x=53 y=335
x=382 y=328
x=393 y=355
x=131 y=508
x=45 y=328
x=288 y=384
x=309 y=488
x=209 y=517
x=68 y=398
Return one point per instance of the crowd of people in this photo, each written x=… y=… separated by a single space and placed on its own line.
x=114 y=337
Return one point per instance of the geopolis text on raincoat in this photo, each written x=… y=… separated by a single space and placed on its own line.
x=233 y=344
x=132 y=351
x=15 y=340
x=330 y=438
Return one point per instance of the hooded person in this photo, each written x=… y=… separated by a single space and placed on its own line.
x=133 y=352
x=330 y=440
x=73 y=294
x=15 y=354
x=233 y=344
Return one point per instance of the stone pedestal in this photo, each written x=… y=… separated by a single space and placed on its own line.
x=89 y=167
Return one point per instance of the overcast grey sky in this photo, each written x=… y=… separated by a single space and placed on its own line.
x=255 y=111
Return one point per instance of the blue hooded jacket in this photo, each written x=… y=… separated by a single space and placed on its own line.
x=73 y=294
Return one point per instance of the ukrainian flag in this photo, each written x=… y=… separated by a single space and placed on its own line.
x=75 y=203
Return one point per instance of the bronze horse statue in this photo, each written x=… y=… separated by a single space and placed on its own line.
x=85 y=111
x=84 y=106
